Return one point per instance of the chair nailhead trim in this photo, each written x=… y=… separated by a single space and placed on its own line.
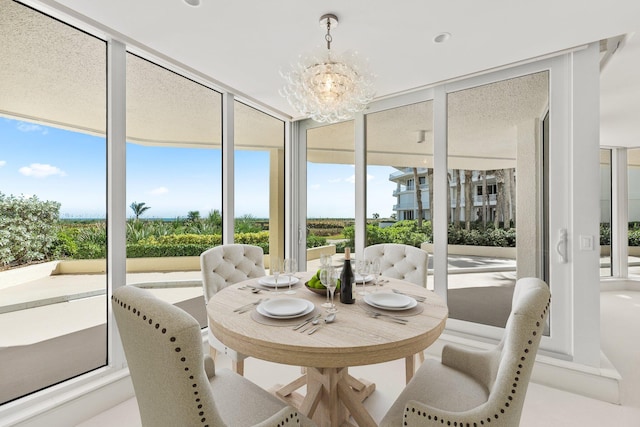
x=183 y=359
x=516 y=378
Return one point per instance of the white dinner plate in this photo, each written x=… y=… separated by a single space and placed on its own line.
x=309 y=308
x=270 y=281
x=389 y=301
x=284 y=306
x=366 y=279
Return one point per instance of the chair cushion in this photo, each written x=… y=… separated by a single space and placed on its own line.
x=439 y=386
x=243 y=403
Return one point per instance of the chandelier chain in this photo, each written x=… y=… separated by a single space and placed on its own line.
x=328 y=37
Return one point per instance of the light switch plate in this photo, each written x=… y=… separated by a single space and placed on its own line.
x=586 y=243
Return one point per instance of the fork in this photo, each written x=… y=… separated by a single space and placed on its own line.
x=387 y=317
x=376 y=314
x=416 y=297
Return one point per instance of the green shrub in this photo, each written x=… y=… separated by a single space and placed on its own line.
x=314 y=241
x=141 y=250
x=605 y=235
x=634 y=237
x=65 y=245
x=90 y=250
x=27 y=229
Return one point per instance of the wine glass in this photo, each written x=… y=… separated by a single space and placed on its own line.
x=325 y=273
x=325 y=261
x=276 y=269
x=290 y=268
x=376 y=271
x=362 y=268
x=331 y=278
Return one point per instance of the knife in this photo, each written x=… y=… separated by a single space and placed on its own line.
x=247 y=306
x=311 y=319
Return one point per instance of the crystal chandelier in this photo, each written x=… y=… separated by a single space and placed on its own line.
x=328 y=87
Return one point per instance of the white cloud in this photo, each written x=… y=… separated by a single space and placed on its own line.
x=38 y=170
x=334 y=181
x=2 y=163
x=30 y=127
x=315 y=186
x=159 y=191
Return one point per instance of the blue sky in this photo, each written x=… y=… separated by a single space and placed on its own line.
x=69 y=167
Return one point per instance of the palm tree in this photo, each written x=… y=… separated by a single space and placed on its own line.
x=139 y=208
x=468 y=198
x=416 y=184
x=193 y=216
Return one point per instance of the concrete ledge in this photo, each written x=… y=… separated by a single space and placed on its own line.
x=17 y=276
x=485 y=251
x=134 y=265
x=49 y=300
x=315 y=253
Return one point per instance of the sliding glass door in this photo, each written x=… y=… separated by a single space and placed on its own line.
x=495 y=172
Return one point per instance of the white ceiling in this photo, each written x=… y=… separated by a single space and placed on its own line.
x=245 y=43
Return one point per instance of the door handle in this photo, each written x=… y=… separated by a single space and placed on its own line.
x=561 y=247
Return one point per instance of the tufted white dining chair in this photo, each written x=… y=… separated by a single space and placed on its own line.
x=222 y=266
x=402 y=262
x=175 y=383
x=399 y=261
x=478 y=388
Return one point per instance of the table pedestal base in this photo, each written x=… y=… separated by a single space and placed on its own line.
x=332 y=396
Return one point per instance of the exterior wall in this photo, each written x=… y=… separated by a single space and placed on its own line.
x=406 y=205
x=487 y=251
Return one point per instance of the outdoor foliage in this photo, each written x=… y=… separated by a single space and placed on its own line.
x=407 y=232
x=315 y=241
x=634 y=235
x=247 y=224
x=489 y=237
x=605 y=235
x=30 y=230
x=327 y=227
x=27 y=229
x=404 y=232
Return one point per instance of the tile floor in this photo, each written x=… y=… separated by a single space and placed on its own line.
x=544 y=406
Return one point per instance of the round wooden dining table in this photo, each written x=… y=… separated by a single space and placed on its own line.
x=355 y=338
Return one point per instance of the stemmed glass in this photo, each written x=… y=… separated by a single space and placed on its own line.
x=290 y=268
x=325 y=261
x=374 y=269
x=362 y=268
x=329 y=279
x=276 y=269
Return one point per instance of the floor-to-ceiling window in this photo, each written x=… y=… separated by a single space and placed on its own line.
x=399 y=143
x=330 y=188
x=174 y=181
x=605 y=214
x=633 y=188
x=494 y=188
x=259 y=180
x=52 y=201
